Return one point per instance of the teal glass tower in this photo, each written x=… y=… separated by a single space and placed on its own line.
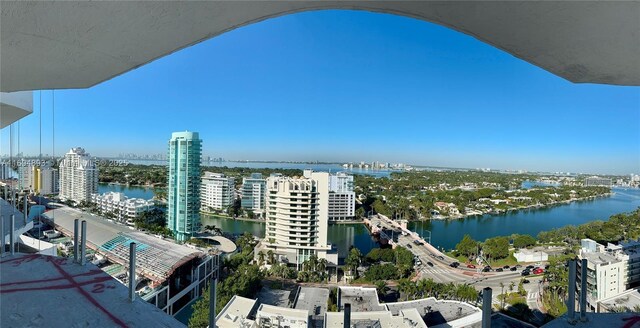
x=183 y=187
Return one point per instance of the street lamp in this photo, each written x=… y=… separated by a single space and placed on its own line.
x=423 y=231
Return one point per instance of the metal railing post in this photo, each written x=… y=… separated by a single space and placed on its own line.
x=132 y=272
x=486 y=307
x=12 y=234
x=571 y=300
x=83 y=243
x=212 y=301
x=347 y=315
x=24 y=209
x=2 y=235
x=76 y=240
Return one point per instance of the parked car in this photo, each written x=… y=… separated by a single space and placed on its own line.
x=486 y=269
x=454 y=264
x=505 y=267
x=538 y=271
x=525 y=281
x=513 y=269
x=499 y=269
x=530 y=267
x=471 y=266
x=525 y=272
x=441 y=258
x=409 y=245
x=430 y=264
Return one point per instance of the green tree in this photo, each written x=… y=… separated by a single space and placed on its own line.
x=467 y=246
x=522 y=241
x=496 y=248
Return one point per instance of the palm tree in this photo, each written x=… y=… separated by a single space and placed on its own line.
x=313 y=263
x=422 y=286
x=403 y=287
x=271 y=257
x=382 y=288
x=322 y=267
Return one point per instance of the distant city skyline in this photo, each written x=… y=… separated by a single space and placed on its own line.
x=347 y=86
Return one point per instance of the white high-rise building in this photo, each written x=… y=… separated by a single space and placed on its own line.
x=78 y=176
x=297 y=219
x=254 y=190
x=342 y=198
x=217 y=191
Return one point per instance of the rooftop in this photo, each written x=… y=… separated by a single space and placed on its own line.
x=597 y=320
x=435 y=312
x=39 y=291
x=406 y=319
x=628 y=300
x=156 y=257
x=361 y=299
x=599 y=258
x=314 y=300
x=234 y=313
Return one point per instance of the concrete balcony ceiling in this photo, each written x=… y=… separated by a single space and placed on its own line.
x=61 y=45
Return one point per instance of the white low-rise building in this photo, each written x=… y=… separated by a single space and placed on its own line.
x=123 y=208
x=611 y=269
x=527 y=256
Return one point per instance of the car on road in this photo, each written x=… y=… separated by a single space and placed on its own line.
x=525 y=281
x=530 y=267
x=499 y=269
x=538 y=271
x=486 y=269
x=430 y=264
x=441 y=258
x=505 y=267
x=525 y=272
x=409 y=245
x=471 y=266
x=513 y=269
x=454 y=264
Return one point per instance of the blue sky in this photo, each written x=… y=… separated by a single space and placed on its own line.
x=351 y=86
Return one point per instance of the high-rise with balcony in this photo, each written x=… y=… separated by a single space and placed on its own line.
x=217 y=191
x=296 y=219
x=78 y=176
x=183 y=187
x=253 y=192
x=342 y=198
x=611 y=269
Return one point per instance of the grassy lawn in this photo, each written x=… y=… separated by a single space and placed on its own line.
x=510 y=261
x=460 y=258
x=513 y=298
